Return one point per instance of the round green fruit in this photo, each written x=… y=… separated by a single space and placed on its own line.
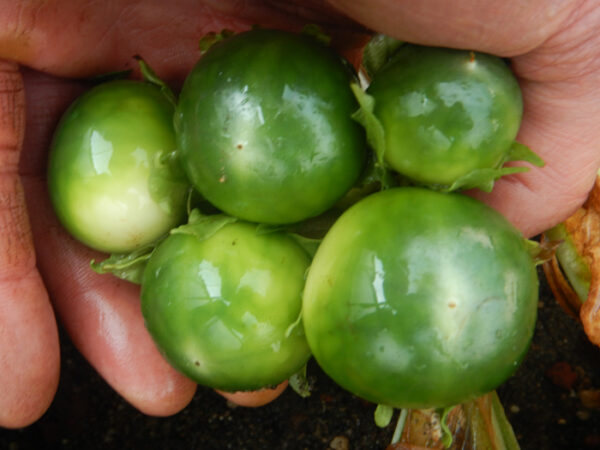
x=224 y=310
x=110 y=178
x=418 y=299
x=445 y=113
x=265 y=130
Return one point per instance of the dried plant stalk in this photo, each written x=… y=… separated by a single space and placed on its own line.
x=477 y=425
x=582 y=230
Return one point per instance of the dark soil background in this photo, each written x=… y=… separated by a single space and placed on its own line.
x=553 y=402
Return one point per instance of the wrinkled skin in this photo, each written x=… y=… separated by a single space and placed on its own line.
x=45 y=46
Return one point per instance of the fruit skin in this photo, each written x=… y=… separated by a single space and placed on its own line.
x=418 y=299
x=265 y=130
x=223 y=310
x=445 y=112
x=107 y=182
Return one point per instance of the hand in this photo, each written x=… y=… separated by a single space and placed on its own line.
x=553 y=55
x=55 y=43
x=555 y=52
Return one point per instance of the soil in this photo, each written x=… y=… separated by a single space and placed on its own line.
x=553 y=402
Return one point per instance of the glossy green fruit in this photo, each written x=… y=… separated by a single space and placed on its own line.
x=418 y=299
x=224 y=309
x=111 y=182
x=445 y=112
x=264 y=127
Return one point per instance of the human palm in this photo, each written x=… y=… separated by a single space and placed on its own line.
x=554 y=51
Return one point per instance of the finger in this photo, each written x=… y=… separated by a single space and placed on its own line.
x=101 y=314
x=254 y=399
x=82 y=38
x=103 y=318
x=29 y=352
x=505 y=28
x=556 y=57
x=560 y=83
x=564 y=132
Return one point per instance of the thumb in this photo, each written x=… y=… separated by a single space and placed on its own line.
x=29 y=351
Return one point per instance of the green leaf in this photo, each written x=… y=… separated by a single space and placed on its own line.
x=129 y=266
x=383 y=415
x=300 y=383
x=378 y=52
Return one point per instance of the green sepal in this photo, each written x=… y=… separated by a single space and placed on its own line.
x=378 y=52
x=315 y=31
x=294 y=325
x=300 y=383
x=130 y=266
x=127 y=266
x=167 y=182
x=383 y=415
x=503 y=435
x=370 y=182
x=484 y=179
x=109 y=76
x=574 y=266
x=520 y=152
x=446 y=432
x=400 y=424
x=316 y=227
x=535 y=249
x=210 y=39
x=541 y=252
x=204 y=226
x=151 y=77
x=264 y=228
x=373 y=127
x=375 y=134
x=477 y=424
x=310 y=245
